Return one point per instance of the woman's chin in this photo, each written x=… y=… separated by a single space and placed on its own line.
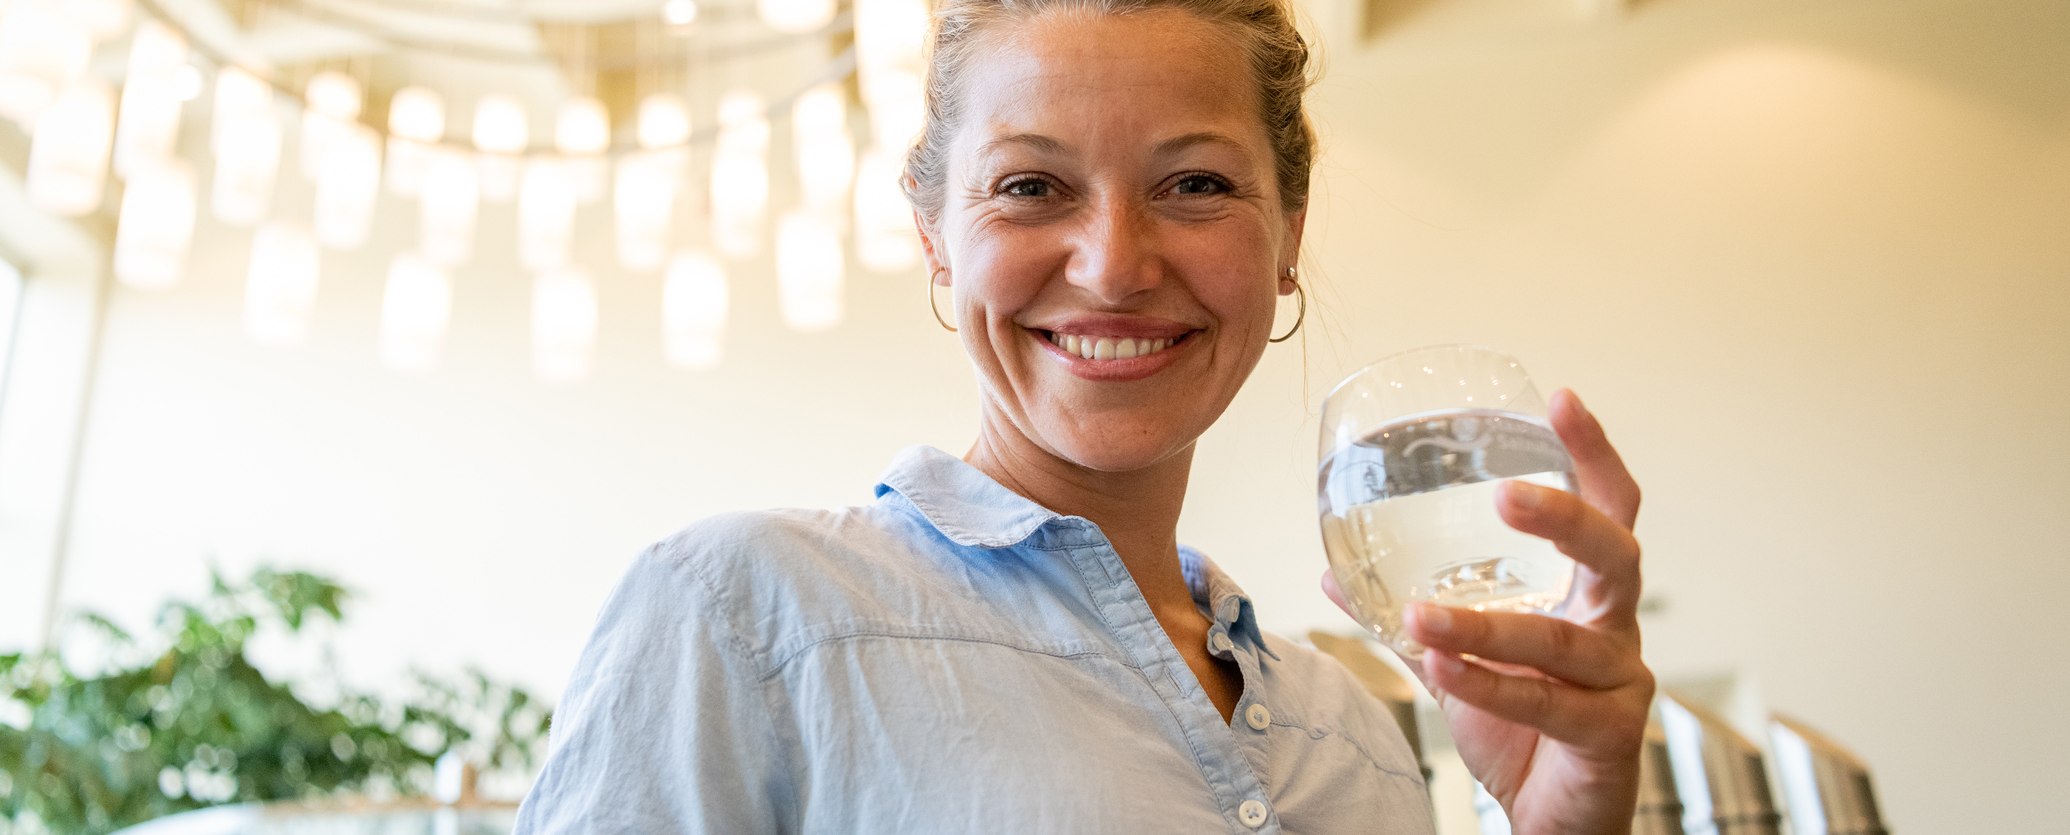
x=1120 y=455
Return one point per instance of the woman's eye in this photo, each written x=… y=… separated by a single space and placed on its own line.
x=1200 y=184
x=1030 y=187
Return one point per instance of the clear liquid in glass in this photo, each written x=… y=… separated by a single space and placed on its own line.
x=1408 y=513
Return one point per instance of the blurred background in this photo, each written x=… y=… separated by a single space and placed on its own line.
x=466 y=353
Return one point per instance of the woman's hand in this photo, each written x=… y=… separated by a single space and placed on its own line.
x=1549 y=713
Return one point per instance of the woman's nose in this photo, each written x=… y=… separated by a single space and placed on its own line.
x=1114 y=254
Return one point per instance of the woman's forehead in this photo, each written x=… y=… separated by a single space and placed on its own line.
x=1155 y=76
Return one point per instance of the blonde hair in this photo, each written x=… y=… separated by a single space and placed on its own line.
x=1264 y=29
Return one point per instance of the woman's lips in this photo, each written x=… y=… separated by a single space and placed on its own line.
x=1150 y=354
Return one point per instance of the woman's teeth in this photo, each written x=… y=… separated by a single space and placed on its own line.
x=1109 y=348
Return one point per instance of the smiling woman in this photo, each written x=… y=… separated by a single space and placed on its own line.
x=1015 y=640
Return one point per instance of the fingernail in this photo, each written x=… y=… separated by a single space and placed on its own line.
x=1434 y=618
x=1578 y=405
x=1525 y=495
x=1445 y=662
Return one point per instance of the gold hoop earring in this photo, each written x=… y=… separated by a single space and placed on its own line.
x=1301 y=297
x=930 y=300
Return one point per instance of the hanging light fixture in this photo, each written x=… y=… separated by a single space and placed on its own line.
x=642 y=200
x=155 y=225
x=693 y=310
x=348 y=188
x=43 y=50
x=564 y=325
x=889 y=33
x=415 y=307
x=898 y=107
x=740 y=175
x=824 y=154
x=416 y=124
x=448 y=206
x=148 y=128
x=546 y=213
x=644 y=196
x=809 y=270
x=501 y=133
x=582 y=134
x=664 y=121
x=679 y=13
x=280 y=290
x=795 y=17
x=102 y=19
x=68 y=158
x=883 y=221
x=333 y=103
x=245 y=140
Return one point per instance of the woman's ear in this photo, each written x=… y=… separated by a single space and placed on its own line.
x=937 y=268
x=1297 y=220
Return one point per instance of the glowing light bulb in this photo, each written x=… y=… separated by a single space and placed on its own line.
x=693 y=310
x=416 y=306
x=564 y=325
x=148 y=125
x=809 y=267
x=68 y=157
x=280 y=290
x=155 y=226
x=416 y=124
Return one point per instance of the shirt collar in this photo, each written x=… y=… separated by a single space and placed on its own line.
x=974 y=511
x=962 y=502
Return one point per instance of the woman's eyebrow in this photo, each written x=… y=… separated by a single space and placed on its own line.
x=1184 y=142
x=1036 y=141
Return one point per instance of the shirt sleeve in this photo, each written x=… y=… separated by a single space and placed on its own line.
x=664 y=727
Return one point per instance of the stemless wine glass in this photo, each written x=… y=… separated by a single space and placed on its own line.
x=1413 y=447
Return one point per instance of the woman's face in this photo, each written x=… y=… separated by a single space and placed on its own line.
x=1113 y=232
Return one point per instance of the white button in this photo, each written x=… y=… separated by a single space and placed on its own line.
x=1220 y=642
x=1252 y=812
x=1259 y=716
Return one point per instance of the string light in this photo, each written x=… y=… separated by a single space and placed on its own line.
x=740 y=175
x=416 y=122
x=500 y=134
x=245 y=139
x=68 y=158
x=693 y=310
x=43 y=50
x=148 y=120
x=582 y=134
x=809 y=270
x=280 y=289
x=44 y=46
x=448 y=206
x=334 y=101
x=564 y=325
x=155 y=225
x=348 y=188
x=795 y=17
x=415 y=308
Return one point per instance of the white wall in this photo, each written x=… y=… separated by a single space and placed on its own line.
x=1805 y=260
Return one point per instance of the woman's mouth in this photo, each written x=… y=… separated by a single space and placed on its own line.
x=1111 y=358
x=1105 y=348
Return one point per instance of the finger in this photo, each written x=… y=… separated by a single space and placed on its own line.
x=1336 y=595
x=1555 y=647
x=1560 y=711
x=1599 y=471
x=1577 y=528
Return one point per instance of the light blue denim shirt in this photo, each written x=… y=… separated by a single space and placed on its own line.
x=951 y=659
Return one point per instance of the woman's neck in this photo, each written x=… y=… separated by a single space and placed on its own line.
x=1137 y=510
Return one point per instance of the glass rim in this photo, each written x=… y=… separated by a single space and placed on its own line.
x=1361 y=370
